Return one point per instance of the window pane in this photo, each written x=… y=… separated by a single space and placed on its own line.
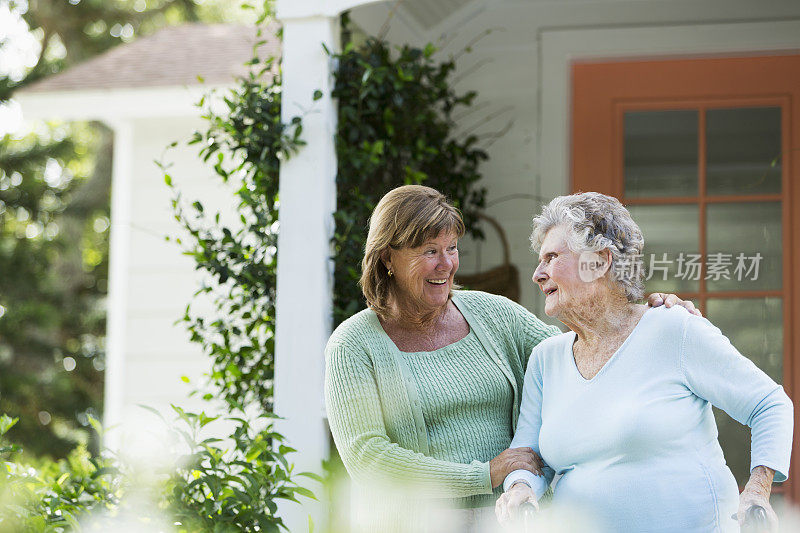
x=743 y=150
x=670 y=230
x=660 y=153
x=744 y=246
x=755 y=327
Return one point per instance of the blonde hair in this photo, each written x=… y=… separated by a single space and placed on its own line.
x=406 y=217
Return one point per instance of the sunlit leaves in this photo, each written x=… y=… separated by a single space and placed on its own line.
x=54 y=266
x=244 y=145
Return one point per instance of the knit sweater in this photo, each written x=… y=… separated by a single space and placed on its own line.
x=447 y=409
x=374 y=402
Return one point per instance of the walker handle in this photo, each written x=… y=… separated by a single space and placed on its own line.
x=527 y=514
x=755 y=520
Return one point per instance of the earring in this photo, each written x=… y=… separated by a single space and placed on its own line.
x=390 y=273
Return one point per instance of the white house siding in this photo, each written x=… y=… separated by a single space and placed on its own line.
x=160 y=280
x=532 y=158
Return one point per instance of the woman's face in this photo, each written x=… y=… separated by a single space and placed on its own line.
x=558 y=274
x=424 y=275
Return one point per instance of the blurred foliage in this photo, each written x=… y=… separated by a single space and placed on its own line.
x=232 y=487
x=54 y=224
x=395 y=128
x=245 y=144
x=53 y=254
x=196 y=484
x=52 y=495
x=76 y=30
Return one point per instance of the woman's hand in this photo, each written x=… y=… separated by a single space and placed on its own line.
x=514 y=459
x=668 y=300
x=756 y=492
x=508 y=504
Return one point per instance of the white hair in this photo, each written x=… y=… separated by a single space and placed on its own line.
x=596 y=222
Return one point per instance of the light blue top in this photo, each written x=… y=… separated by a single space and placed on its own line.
x=636 y=446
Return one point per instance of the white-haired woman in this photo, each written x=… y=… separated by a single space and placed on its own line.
x=620 y=406
x=423 y=388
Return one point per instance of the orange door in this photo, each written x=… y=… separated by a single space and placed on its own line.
x=704 y=152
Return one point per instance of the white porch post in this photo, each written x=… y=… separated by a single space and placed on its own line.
x=119 y=263
x=304 y=291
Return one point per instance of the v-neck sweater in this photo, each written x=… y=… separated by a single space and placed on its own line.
x=376 y=403
x=636 y=445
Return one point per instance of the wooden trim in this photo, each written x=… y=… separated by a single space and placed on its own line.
x=743 y=294
x=734 y=198
x=791 y=233
x=702 y=220
x=730 y=295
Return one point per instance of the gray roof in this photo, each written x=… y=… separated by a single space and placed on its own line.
x=173 y=56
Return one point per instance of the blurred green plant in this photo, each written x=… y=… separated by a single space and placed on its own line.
x=47 y=495
x=395 y=127
x=199 y=484
x=231 y=485
x=54 y=221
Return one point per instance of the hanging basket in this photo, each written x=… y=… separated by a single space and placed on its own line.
x=503 y=279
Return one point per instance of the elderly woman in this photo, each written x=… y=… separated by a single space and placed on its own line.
x=423 y=388
x=620 y=407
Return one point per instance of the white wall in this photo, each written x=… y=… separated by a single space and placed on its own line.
x=517 y=79
x=158 y=280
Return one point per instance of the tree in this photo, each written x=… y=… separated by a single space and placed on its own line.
x=54 y=221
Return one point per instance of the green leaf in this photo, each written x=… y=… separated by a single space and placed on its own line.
x=305 y=492
x=312 y=475
x=6 y=423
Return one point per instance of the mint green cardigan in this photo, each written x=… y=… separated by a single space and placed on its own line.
x=373 y=405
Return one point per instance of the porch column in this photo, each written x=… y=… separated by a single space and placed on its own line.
x=118 y=278
x=305 y=270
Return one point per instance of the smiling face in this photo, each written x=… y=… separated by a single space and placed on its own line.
x=424 y=274
x=558 y=275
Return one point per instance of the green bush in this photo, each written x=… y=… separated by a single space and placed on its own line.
x=231 y=484
x=395 y=127
x=245 y=145
x=53 y=495
x=213 y=484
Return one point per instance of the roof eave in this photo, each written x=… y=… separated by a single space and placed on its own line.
x=113 y=105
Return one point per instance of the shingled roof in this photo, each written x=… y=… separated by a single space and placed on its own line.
x=174 y=56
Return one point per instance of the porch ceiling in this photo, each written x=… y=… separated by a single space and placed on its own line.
x=429 y=13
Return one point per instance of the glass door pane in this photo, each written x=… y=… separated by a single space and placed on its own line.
x=745 y=246
x=743 y=150
x=660 y=153
x=671 y=248
x=755 y=328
